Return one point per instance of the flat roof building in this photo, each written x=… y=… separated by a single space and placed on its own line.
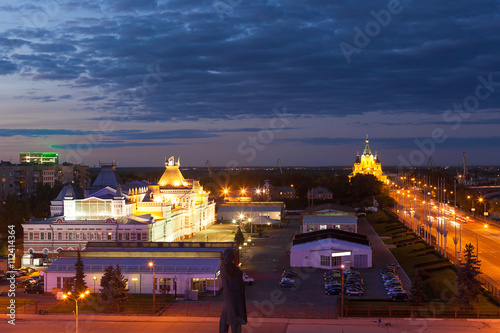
x=179 y=267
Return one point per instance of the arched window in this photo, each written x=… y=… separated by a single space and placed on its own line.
x=45 y=252
x=31 y=251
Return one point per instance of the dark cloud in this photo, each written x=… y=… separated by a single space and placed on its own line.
x=245 y=60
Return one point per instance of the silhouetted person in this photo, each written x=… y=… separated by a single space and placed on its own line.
x=234 y=312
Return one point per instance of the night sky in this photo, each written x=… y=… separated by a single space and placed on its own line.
x=242 y=82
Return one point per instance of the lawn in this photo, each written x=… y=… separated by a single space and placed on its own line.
x=20 y=302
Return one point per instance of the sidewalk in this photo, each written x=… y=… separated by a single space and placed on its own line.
x=125 y=324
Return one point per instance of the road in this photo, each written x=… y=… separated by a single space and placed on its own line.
x=467 y=228
x=125 y=324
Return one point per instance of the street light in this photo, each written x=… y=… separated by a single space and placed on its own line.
x=94 y=278
x=69 y=295
x=151 y=264
x=342 y=299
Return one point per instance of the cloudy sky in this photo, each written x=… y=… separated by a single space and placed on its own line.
x=241 y=82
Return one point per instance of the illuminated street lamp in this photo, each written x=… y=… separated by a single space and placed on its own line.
x=94 y=278
x=342 y=298
x=69 y=295
x=151 y=264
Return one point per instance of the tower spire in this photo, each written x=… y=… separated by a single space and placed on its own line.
x=367 y=150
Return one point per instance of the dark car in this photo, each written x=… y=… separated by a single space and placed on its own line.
x=400 y=297
x=287 y=283
x=34 y=289
x=289 y=274
x=23 y=284
x=333 y=291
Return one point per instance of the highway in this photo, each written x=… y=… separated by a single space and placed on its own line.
x=413 y=205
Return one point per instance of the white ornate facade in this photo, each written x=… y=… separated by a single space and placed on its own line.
x=174 y=209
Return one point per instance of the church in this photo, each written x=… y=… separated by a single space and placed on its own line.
x=368 y=164
x=113 y=211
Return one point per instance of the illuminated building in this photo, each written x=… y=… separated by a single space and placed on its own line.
x=368 y=164
x=111 y=211
x=39 y=158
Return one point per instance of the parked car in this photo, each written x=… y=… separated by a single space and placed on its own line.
x=388 y=276
x=34 y=289
x=400 y=297
x=395 y=291
x=22 y=283
x=289 y=274
x=388 y=282
x=393 y=285
x=34 y=279
x=287 y=283
x=387 y=270
x=28 y=269
x=356 y=292
x=333 y=291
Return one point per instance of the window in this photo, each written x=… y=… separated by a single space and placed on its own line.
x=99 y=236
x=59 y=236
x=139 y=236
x=68 y=283
x=337 y=226
x=322 y=227
x=120 y=236
x=30 y=236
x=127 y=236
x=310 y=227
x=59 y=282
x=70 y=236
x=42 y=236
x=165 y=284
x=49 y=235
x=325 y=261
x=109 y=236
x=336 y=261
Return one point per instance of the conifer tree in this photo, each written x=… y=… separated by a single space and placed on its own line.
x=417 y=295
x=79 y=285
x=468 y=285
x=119 y=288
x=238 y=237
x=105 y=284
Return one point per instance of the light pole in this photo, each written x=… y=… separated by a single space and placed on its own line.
x=94 y=278
x=342 y=298
x=73 y=297
x=152 y=265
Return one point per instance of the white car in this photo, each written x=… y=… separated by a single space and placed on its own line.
x=394 y=291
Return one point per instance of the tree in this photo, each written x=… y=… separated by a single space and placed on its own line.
x=114 y=288
x=79 y=286
x=468 y=285
x=238 y=237
x=417 y=295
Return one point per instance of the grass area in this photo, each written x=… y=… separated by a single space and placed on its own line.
x=137 y=304
x=439 y=277
x=5 y=301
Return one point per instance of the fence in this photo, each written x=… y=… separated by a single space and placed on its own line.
x=308 y=311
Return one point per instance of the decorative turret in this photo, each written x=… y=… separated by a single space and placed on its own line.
x=172 y=177
x=119 y=194
x=358 y=160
